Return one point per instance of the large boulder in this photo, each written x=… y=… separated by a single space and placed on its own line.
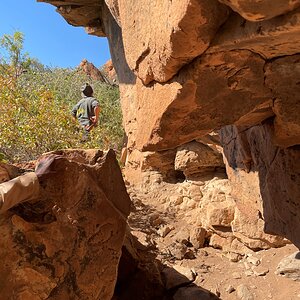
x=271 y=38
x=214 y=90
x=195 y=157
x=81 y=13
x=147 y=167
x=231 y=214
x=167 y=35
x=254 y=10
x=66 y=244
x=8 y=172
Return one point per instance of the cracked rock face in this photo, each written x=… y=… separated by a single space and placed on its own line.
x=189 y=67
x=265 y=180
x=168 y=34
x=67 y=243
x=254 y=10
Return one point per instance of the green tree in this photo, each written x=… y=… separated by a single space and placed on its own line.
x=17 y=60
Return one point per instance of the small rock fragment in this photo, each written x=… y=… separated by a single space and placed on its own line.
x=230 y=289
x=176 y=199
x=236 y=275
x=197 y=237
x=142 y=239
x=290 y=267
x=189 y=254
x=253 y=260
x=244 y=293
x=249 y=273
x=261 y=271
x=232 y=256
x=216 y=291
x=178 y=250
x=164 y=230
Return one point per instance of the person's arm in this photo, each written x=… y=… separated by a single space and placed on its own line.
x=96 y=113
x=27 y=186
x=74 y=112
x=20 y=189
x=94 y=119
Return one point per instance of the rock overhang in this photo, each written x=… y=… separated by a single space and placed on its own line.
x=247 y=73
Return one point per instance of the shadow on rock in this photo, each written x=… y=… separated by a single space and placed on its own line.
x=142 y=276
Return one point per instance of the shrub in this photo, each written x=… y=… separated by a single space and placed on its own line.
x=35 y=111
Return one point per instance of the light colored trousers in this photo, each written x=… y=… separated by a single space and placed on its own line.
x=20 y=189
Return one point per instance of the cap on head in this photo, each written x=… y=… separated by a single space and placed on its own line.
x=87 y=90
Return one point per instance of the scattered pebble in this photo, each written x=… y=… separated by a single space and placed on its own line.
x=244 y=292
x=290 y=267
x=253 y=260
x=164 y=230
x=216 y=291
x=202 y=252
x=261 y=271
x=232 y=256
x=230 y=289
x=249 y=273
x=236 y=275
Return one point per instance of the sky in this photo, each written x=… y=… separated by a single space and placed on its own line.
x=48 y=37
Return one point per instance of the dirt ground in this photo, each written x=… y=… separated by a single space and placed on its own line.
x=220 y=273
x=252 y=277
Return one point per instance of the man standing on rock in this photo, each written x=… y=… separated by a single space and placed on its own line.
x=86 y=111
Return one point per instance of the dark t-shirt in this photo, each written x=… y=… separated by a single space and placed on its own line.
x=84 y=110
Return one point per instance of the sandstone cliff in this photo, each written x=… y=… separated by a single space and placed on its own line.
x=189 y=67
x=91 y=71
